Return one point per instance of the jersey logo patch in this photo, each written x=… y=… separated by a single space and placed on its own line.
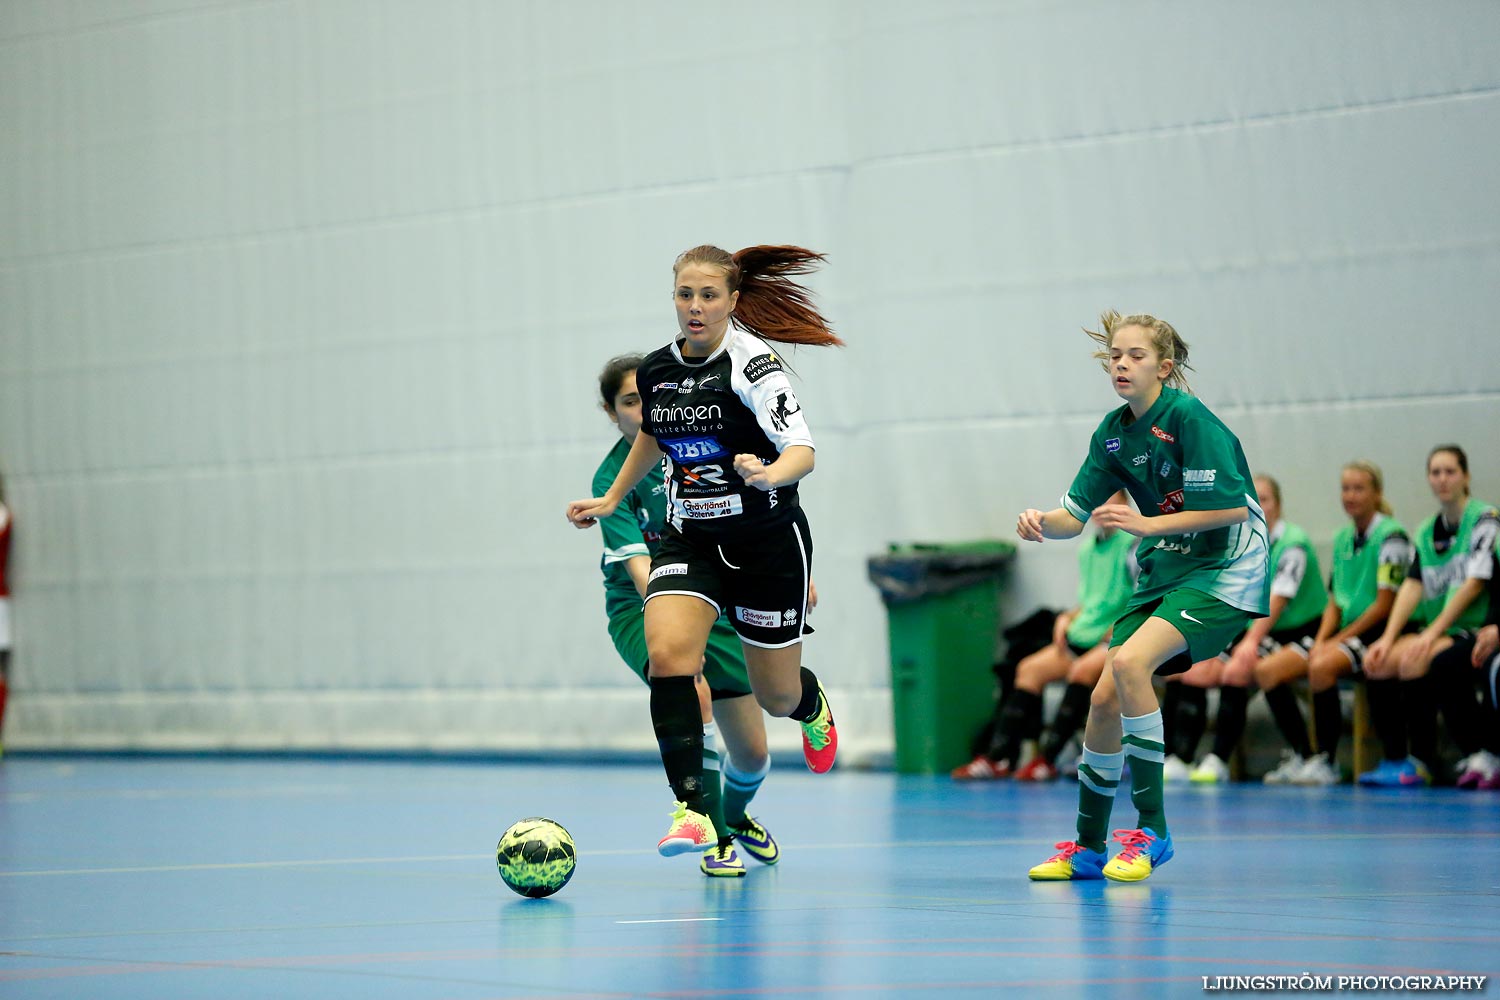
x=786 y=405
x=704 y=510
x=1163 y=434
x=763 y=619
x=693 y=449
x=1171 y=503
x=1112 y=445
x=1199 y=479
x=760 y=366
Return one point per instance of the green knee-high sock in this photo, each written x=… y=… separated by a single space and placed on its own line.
x=739 y=788
x=713 y=798
x=1098 y=779
x=1144 y=744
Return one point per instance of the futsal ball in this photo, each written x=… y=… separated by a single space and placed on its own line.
x=535 y=856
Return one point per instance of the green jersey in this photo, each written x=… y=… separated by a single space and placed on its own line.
x=1365 y=564
x=1447 y=555
x=1179 y=456
x=1106 y=577
x=634 y=529
x=1295 y=576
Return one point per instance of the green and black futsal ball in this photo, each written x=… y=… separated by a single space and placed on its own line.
x=535 y=856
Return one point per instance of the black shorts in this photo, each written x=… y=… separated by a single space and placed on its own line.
x=761 y=580
x=1356 y=646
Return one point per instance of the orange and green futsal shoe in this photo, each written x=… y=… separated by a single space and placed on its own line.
x=1072 y=862
x=1145 y=851
x=757 y=841
x=690 y=831
x=820 y=739
x=722 y=862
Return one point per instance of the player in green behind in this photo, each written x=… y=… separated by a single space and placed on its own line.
x=1204 y=575
x=631 y=535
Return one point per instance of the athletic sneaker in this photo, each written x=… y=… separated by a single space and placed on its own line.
x=1037 y=769
x=1286 y=772
x=1318 y=770
x=981 y=768
x=1173 y=770
x=1072 y=862
x=1477 y=768
x=757 y=841
x=1145 y=851
x=722 y=862
x=1210 y=771
x=1397 y=774
x=820 y=738
x=690 y=831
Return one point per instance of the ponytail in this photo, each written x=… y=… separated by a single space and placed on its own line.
x=771 y=305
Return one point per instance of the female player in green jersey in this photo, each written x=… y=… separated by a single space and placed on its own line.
x=1203 y=559
x=1371 y=553
x=1445 y=594
x=631 y=535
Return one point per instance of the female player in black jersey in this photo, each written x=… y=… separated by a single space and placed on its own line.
x=718 y=402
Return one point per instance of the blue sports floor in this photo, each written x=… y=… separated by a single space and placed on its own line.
x=270 y=878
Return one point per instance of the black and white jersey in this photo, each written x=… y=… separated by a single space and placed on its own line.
x=703 y=412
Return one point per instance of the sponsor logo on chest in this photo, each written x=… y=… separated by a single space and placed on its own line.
x=1163 y=434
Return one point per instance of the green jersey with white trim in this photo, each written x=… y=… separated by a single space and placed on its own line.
x=1446 y=556
x=1295 y=576
x=1365 y=564
x=634 y=529
x=1179 y=456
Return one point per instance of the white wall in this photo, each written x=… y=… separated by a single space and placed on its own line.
x=301 y=305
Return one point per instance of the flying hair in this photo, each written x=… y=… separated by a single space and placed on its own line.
x=1164 y=339
x=771 y=305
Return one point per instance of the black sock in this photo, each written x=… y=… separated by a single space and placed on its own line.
x=679 y=733
x=1328 y=721
x=1070 y=715
x=1192 y=718
x=1387 y=717
x=1020 y=718
x=1453 y=684
x=1230 y=725
x=808 y=706
x=1419 y=701
x=1288 y=716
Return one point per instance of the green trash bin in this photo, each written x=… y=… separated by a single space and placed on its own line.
x=942 y=605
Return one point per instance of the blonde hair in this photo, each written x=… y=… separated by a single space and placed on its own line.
x=1377 y=480
x=1164 y=340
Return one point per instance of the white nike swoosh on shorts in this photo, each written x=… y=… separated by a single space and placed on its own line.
x=1190 y=618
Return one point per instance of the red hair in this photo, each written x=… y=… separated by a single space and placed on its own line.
x=771 y=304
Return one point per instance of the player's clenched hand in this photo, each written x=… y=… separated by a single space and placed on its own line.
x=1121 y=516
x=1485 y=644
x=753 y=471
x=586 y=513
x=1029 y=525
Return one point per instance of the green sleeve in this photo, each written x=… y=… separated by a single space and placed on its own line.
x=1094 y=482
x=622 y=533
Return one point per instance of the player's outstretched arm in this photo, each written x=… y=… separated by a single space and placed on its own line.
x=644 y=453
x=1034 y=525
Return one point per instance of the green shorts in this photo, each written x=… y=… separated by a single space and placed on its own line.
x=1207 y=623
x=724 y=666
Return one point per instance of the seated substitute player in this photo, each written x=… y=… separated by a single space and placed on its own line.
x=1370 y=555
x=1272 y=652
x=631 y=536
x=1485 y=659
x=1106 y=576
x=1203 y=577
x=1445 y=592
